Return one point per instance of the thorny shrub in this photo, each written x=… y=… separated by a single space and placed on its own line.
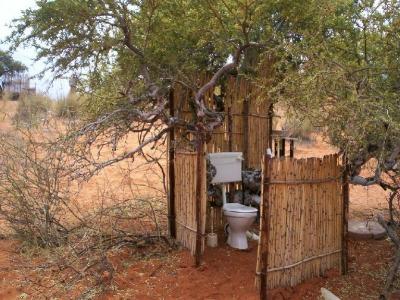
x=31 y=194
x=42 y=206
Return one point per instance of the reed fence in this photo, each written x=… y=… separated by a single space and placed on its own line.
x=186 y=171
x=302 y=220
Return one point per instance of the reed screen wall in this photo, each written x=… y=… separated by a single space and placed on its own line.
x=302 y=220
x=185 y=200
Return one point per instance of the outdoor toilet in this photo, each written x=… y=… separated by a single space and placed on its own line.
x=240 y=217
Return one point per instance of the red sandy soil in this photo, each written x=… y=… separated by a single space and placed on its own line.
x=225 y=273
x=229 y=274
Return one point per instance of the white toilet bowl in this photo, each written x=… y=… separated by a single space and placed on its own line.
x=240 y=217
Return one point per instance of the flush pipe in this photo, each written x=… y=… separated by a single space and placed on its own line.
x=223 y=194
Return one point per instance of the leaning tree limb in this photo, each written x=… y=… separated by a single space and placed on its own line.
x=387 y=162
x=202 y=111
x=395 y=266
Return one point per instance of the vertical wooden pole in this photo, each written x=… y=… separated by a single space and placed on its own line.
x=276 y=147
x=270 y=124
x=264 y=228
x=199 y=191
x=171 y=171
x=282 y=147
x=291 y=151
x=231 y=185
x=230 y=122
x=345 y=192
x=246 y=132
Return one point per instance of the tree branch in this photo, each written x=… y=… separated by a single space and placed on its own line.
x=202 y=111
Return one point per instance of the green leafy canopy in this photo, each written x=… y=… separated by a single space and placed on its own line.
x=333 y=62
x=8 y=65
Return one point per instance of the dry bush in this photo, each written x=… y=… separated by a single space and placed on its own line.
x=297 y=128
x=32 y=110
x=32 y=189
x=109 y=224
x=72 y=238
x=69 y=107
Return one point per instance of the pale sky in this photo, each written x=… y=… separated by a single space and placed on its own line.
x=9 y=10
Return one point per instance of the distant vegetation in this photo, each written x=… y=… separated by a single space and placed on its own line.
x=32 y=109
x=8 y=68
x=299 y=128
x=35 y=109
x=8 y=65
x=68 y=107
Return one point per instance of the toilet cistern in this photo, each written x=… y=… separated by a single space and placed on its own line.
x=229 y=169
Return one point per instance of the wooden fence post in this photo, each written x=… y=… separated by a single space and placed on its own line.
x=345 y=194
x=282 y=147
x=276 y=147
x=262 y=259
x=171 y=171
x=199 y=191
x=278 y=150
x=270 y=124
x=246 y=132
x=230 y=136
x=291 y=151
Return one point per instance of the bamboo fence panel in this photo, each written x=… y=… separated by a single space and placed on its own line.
x=305 y=219
x=185 y=200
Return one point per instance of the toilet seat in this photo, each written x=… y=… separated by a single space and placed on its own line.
x=239 y=208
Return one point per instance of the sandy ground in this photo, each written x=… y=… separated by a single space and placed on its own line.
x=225 y=273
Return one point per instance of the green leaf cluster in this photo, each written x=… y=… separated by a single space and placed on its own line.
x=8 y=65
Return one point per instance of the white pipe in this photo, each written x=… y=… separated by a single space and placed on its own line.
x=252 y=236
x=223 y=195
x=212 y=219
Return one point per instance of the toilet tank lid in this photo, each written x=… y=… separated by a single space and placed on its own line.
x=240 y=208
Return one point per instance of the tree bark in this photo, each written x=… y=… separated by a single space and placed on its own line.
x=395 y=266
